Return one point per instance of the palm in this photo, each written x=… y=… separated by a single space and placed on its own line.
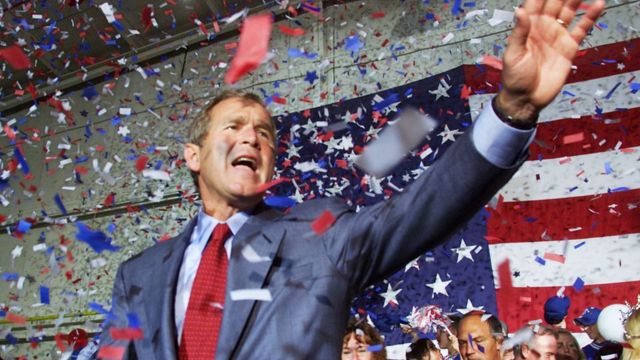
x=541 y=50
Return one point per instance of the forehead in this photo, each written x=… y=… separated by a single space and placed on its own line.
x=545 y=343
x=475 y=326
x=238 y=108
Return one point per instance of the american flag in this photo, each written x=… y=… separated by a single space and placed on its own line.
x=569 y=218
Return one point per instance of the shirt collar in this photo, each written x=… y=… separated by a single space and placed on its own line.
x=206 y=224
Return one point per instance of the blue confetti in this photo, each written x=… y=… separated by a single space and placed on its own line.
x=618 y=189
x=10 y=276
x=580 y=245
x=96 y=239
x=22 y=161
x=279 y=201
x=11 y=339
x=353 y=44
x=23 y=226
x=44 y=295
x=612 y=91
x=98 y=308
x=578 y=284
x=607 y=168
x=540 y=260
x=375 y=348
x=60 y=205
x=132 y=318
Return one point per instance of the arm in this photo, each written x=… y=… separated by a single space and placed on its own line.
x=117 y=318
x=536 y=65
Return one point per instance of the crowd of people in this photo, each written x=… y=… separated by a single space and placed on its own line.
x=478 y=335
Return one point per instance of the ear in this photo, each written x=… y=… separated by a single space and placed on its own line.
x=192 y=156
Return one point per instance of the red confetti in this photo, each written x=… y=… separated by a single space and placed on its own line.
x=291 y=31
x=254 y=42
x=279 y=100
x=145 y=18
x=61 y=340
x=554 y=257
x=108 y=201
x=81 y=170
x=141 y=163
x=323 y=222
x=9 y=131
x=270 y=184
x=377 y=15
x=573 y=138
x=111 y=352
x=15 y=57
x=126 y=333
x=16 y=319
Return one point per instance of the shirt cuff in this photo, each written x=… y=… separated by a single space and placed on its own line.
x=499 y=143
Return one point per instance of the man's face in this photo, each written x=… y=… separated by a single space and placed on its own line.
x=483 y=345
x=236 y=156
x=543 y=347
x=592 y=331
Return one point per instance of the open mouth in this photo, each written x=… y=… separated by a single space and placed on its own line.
x=245 y=161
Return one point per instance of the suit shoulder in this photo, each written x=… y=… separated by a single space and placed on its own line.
x=155 y=251
x=314 y=208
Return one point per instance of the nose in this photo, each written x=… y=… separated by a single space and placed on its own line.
x=249 y=135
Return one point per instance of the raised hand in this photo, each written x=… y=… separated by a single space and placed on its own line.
x=538 y=57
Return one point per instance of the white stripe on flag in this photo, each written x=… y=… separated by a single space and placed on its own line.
x=587 y=95
x=575 y=176
x=611 y=259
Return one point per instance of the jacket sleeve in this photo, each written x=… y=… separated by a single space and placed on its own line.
x=117 y=318
x=373 y=243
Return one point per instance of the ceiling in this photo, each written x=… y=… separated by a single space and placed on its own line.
x=71 y=41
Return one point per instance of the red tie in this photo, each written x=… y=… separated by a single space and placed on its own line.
x=204 y=313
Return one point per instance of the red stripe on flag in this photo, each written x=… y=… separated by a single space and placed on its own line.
x=601 y=133
x=565 y=218
x=591 y=64
x=528 y=304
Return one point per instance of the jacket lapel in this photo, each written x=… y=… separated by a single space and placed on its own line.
x=265 y=239
x=164 y=289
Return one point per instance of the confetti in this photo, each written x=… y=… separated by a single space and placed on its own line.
x=96 y=239
x=290 y=31
x=15 y=57
x=321 y=224
x=254 y=41
x=111 y=352
x=250 y=294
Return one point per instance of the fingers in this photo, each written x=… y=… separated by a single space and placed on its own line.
x=533 y=6
x=581 y=29
x=518 y=38
x=552 y=8
x=568 y=11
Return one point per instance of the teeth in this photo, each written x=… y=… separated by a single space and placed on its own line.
x=252 y=162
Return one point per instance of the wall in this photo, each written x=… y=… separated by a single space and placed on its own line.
x=405 y=45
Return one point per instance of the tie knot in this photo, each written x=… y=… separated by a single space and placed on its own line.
x=220 y=233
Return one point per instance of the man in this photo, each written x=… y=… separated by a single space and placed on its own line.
x=542 y=345
x=599 y=348
x=274 y=286
x=480 y=336
x=556 y=309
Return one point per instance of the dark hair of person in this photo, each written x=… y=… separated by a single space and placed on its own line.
x=419 y=348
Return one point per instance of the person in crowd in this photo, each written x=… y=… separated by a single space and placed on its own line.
x=599 y=347
x=543 y=344
x=423 y=349
x=556 y=309
x=480 y=336
x=362 y=341
x=447 y=338
x=203 y=294
x=568 y=346
x=632 y=334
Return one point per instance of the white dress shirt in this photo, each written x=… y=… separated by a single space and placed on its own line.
x=191 y=259
x=498 y=142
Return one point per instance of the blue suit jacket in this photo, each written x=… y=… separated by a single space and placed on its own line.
x=312 y=278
